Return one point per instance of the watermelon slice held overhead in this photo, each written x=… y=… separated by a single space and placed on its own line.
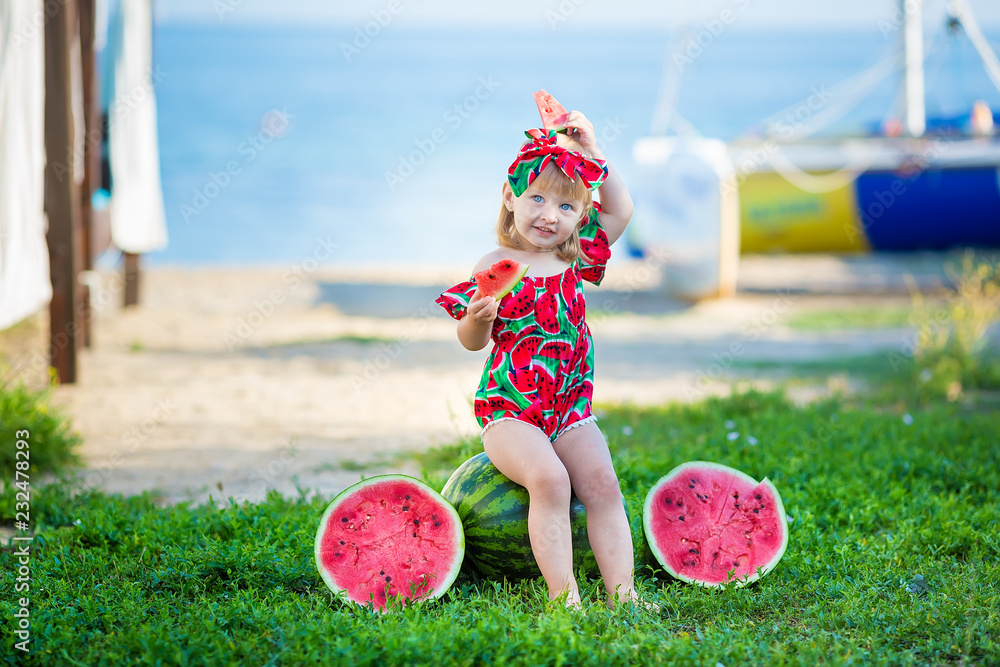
x=553 y=114
x=712 y=525
x=498 y=280
x=389 y=536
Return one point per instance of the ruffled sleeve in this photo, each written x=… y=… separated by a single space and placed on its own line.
x=595 y=246
x=456 y=299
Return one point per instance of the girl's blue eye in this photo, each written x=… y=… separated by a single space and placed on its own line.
x=567 y=207
x=537 y=198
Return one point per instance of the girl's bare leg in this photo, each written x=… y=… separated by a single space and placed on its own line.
x=525 y=455
x=584 y=452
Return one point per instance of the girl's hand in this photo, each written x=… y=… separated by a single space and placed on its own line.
x=581 y=129
x=482 y=309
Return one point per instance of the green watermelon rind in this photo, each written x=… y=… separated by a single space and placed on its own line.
x=647 y=521
x=493 y=552
x=441 y=583
x=478 y=488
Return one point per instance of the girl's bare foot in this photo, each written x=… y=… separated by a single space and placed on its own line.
x=632 y=597
x=570 y=597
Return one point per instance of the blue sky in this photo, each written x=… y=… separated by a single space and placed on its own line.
x=668 y=14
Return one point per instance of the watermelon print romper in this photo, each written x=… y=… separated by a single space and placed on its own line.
x=541 y=368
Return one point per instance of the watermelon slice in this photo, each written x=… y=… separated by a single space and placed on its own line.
x=498 y=280
x=553 y=114
x=389 y=536
x=712 y=525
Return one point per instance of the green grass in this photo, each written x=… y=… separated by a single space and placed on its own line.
x=358 y=339
x=891 y=377
x=862 y=317
x=50 y=443
x=876 y=499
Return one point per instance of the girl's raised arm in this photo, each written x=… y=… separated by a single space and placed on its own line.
x=616 y=202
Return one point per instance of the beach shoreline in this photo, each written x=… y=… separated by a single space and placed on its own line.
x=234 y=382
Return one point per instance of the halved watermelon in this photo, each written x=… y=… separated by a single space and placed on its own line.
x=389 y=536
x=498 y=280
x=712 y=525
x=553 y=114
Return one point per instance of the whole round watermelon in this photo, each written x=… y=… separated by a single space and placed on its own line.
x=494 y=513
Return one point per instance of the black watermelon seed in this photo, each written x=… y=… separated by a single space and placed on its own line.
x=736 y=494
x=414 y=534
x=735 y=563
x=437 y=523
x=681 y=518
x=667 y=501
x=407 y=497
x=344 y=520
x=336 y=555
x=715 y=555
x=680 y=503
x=382 y=573
x=406 y=508
x=690 y=486
x=757 y=496
x=343 y=542
x=416 y=522
x=388 y=578
x=693 y=551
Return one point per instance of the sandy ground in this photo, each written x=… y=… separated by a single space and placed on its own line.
x=236 y=382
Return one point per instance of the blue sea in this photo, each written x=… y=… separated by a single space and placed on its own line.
x=275 y=141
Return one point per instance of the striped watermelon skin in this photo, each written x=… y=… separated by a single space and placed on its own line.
x=494 y=513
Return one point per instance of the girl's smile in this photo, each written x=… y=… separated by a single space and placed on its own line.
x=537 y=385
x=543 y=219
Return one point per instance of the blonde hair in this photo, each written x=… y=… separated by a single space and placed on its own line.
x=552 y=179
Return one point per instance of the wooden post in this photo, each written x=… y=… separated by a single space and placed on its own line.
x=131 y=278
x=91 y=151
x=62 y=201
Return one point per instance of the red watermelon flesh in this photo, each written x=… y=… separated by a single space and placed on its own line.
x=498 y=280
x=553 y=114
x=712 y=525
x=389 y=536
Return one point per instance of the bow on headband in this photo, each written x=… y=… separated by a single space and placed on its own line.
x=535 y=155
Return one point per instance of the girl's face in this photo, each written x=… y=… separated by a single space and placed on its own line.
x=543 y=219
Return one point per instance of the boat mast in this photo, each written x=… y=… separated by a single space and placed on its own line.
x=914 y=118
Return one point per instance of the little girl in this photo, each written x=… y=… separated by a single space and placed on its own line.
x=534 y=399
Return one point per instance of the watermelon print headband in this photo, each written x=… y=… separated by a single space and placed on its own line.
x=535 y=155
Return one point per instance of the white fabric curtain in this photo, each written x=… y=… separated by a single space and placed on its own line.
x=24 y=257
x=138 y=220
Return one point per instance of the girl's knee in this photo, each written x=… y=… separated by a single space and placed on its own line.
x=549 y=483
x=599 y=488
